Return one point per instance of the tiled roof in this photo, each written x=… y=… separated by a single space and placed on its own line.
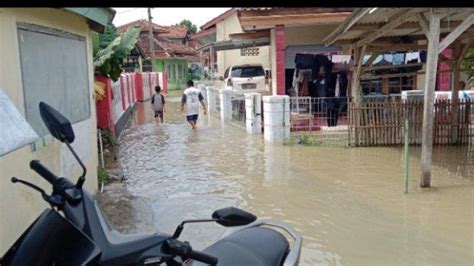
x=144 y=26
x=175 y=31
x=194 y=44
x=165 y=48
x=173 y=47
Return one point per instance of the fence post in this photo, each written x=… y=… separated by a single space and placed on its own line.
x=276 y=111
x=253 y=116
x=211 y=100
x=226 y=104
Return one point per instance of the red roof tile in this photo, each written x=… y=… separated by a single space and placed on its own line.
x=175 y=31
x=144 y=26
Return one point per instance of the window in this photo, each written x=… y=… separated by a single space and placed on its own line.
x=54 y=69
x=247 y=71
x=250 y=51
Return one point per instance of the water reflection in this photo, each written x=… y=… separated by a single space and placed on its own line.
x=348 y=203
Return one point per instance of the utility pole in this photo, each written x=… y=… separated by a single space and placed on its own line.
x=152 y=43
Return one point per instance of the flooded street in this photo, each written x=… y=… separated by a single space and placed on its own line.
x=348 y=203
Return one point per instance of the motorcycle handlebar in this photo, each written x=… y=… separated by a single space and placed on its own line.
x=43 y=171
x=202 y=257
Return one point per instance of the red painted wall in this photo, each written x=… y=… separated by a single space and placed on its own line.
x=444 y=79
x=280 y=58
x=104 y=107
x=131 y=91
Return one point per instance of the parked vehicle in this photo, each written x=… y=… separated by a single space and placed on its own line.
x=245 y=77
x=84 y=237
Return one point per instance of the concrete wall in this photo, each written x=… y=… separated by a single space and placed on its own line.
x=20 y=205
x=227 y=58
x=307 y=35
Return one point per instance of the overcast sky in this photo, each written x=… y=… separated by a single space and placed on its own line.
x=167 y=16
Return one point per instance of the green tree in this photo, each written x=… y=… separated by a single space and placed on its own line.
x=192 y=29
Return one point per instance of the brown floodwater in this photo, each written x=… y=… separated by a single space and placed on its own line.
x=348 y=203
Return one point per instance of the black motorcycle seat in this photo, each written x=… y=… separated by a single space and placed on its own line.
x=113 y=236
x=253 y=246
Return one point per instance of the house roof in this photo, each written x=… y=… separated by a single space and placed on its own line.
x=144 y=25
x=194 y=44
x=252 y=19
x=217 y=19
x=175 y=31
x=165 y=48
x=364 y=25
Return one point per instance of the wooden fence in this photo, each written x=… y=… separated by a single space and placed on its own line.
x=381 y=123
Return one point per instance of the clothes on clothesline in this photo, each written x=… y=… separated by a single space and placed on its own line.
x=411 y=57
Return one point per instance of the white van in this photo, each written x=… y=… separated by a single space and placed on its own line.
x=245 y=77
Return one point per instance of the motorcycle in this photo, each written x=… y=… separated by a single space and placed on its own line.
x=82 y=235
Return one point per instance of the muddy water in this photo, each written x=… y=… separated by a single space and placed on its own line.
x=347 y=203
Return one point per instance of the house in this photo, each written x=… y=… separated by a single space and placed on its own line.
x=272 y=37
x=47 y=56
x=171 y=51
x=223 y=27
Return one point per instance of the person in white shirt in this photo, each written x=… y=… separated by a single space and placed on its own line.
x=191 y=98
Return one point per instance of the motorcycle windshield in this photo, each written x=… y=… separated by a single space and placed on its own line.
x=52 y=240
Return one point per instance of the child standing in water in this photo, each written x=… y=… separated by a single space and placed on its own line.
x=159 y=104
x=191 y=98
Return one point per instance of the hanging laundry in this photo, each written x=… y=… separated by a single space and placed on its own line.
x=388 y=58
x=398 y=59
x=410 y=57
x=304 y=60
x=378 y=60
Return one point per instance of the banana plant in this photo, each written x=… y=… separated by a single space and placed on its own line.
x=109 y=49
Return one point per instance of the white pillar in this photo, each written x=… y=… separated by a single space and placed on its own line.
x=253 y=113
x=211 y=99
x=203 y=90
x=276 y=118
x=226 y=104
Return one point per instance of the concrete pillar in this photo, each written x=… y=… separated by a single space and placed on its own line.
x=276 y=118
x=226 y=104
x=253 y=113
x=211 y=99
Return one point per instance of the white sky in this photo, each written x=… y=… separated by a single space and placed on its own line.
x=167 y=16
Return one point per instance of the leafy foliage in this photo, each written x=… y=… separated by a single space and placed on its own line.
x=110 y=48
x=192 y=28
x=102 y=175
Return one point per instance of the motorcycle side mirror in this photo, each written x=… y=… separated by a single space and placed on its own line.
x=232 y=216
x=61 y=129
x=58 y=125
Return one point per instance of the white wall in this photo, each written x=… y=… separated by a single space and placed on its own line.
x=227 y=58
